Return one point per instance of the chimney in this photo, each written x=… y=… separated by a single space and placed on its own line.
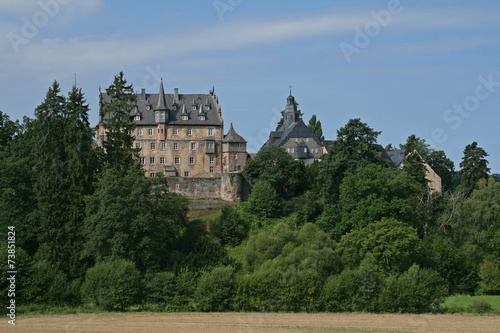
x=143 y=94
x=176 y=95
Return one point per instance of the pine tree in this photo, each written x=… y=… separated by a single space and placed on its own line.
x=474 y=167
x=118 y=125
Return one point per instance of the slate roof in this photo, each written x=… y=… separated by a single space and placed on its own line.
x=397 y=156
x=186 y=101
x=297 y=130
x=232 y=136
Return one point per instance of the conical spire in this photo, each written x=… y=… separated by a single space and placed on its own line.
x=162 y=105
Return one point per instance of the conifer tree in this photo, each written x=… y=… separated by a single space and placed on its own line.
x=118 y=124
x=81 y=164
x=315 y=127
x=474 y=167
x=50 y=170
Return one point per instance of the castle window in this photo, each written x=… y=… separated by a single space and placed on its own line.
x=137 y=118
x=152 y=174
x=150 y=131
x=176 y=146
x=240 y=145
x=305 y=150
x=138 y=145
x=152 y=160
x=235 y=156
x=162 y=160
x=174 y=131
x=153 y=146
x=193 y=146
x=210 y=131
x=189 y=131
x=212 y=169
x=292 y=150
x=139 y=132
x=237 y=167
x=212 y=160
x=177 y=160
x=191 y=160
x=186 y=173
x=142 y=160
x=163 y=146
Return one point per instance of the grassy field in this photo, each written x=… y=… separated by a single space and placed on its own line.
x=252 y=322
x=465 y=302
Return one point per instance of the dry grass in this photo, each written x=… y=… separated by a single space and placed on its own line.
x=252 y=322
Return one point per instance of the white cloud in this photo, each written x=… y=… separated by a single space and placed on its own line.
x=89 y=52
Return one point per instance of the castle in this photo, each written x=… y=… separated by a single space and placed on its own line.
x=182 y=137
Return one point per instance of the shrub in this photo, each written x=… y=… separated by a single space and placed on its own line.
x=113 y=284
x=264 y=201
x=480 y=307
x=170 y=290
x=230 y=227
x=489 y=276
x=215 y=289
x=416 y=290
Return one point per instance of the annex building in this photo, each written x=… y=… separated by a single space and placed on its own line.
x=294 y=136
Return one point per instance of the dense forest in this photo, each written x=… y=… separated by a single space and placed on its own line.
x=348 y=233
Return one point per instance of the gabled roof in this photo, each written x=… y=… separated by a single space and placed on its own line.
x=232 y=136
x=297 y=130
x=397 y=156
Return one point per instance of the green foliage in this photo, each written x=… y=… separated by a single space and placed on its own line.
x=229 y=227
x=352 y=149
x=394 y=245
x=215 y=289
x=276 y=166
x=353 y=290
x=445 y=168
x=473 y=167
x=414 y=143
x=118 y=124
x=174 y=291
x=489 y=276
x=416 y=290
x=264 y=201
x=372 y=193
x=113 y=284
x=129 y=218
x=286 y=269
x=315 y=127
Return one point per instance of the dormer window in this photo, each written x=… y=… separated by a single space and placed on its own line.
x=207 y=107
x=185 y=118
x=137 y=117
x=202 y=117
x=194 y=107
x=174 y=107
x=148 y=107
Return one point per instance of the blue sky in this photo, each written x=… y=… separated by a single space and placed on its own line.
x=429 y=68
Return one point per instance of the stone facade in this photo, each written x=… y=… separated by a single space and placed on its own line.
x=181 y=135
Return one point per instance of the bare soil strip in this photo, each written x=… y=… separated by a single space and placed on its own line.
x=252 y=322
